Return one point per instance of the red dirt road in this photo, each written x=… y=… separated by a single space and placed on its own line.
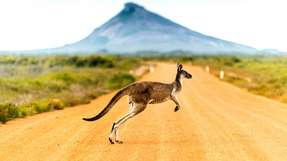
x=217 y=122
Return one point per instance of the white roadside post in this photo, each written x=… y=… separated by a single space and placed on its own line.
x=221 y=74
x=207 y=69
x=151 y=68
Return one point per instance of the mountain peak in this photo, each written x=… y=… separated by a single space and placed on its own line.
x=132 y=5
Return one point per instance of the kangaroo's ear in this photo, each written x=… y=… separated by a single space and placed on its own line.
x=179 y=67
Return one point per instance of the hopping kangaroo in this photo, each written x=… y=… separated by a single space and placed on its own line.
x=143 y=93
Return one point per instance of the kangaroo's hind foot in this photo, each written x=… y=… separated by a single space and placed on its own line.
x=111 y=141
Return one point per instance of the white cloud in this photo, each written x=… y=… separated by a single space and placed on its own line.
x=32 y=24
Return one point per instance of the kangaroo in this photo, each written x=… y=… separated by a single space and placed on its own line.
x=139 y=95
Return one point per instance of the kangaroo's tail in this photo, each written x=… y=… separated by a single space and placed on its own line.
x=112 y=102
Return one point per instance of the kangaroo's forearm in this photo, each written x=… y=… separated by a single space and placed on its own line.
x=174 y=99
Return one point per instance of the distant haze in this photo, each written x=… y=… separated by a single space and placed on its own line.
x=36 y=24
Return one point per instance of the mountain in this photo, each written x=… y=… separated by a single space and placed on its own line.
x=272 y=52
x=136 y=29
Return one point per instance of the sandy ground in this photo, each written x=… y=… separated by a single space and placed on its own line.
x=217 y=122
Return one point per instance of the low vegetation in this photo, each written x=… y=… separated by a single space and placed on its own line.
x=30 y=84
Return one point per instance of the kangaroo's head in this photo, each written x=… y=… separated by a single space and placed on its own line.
x=182 y=73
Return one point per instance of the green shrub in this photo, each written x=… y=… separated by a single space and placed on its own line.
x=120 y=80
x=100 y=61
x=40 y=107
x=90 y=61
x=56 y=104
x=66 y=77
x=8 y=112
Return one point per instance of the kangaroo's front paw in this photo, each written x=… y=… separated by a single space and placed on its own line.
x=176 y=108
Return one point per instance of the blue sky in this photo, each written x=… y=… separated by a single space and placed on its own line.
x=36 y=24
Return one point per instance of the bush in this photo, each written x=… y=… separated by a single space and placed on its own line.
x=91 y=61
x=8 y=112
x=66 y=77
x=120 y=80
x=40 y=107
x=56 y=104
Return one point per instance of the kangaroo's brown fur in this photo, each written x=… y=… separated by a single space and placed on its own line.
x=143 y=93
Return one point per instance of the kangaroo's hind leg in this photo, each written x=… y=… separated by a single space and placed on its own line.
x=113 y=131
x=135 y=110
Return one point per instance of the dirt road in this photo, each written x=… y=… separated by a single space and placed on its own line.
x=217 y=122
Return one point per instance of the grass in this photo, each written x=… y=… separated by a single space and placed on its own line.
x=30 y=84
